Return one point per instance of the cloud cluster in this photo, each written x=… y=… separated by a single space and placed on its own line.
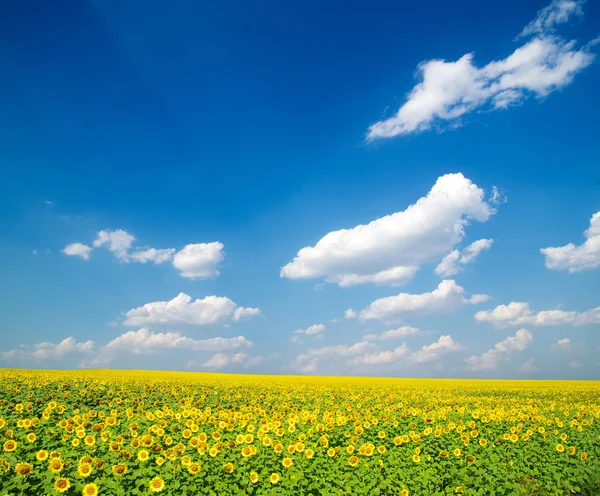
x=137 y=343
x=194 y=261
x=518 y=314
x=390 y=249
x=577 y=258
x=315 y=331
x=452 y=263
x=446 y=297
x=400 y=332
x=501 y=351
x=49 y=351
x=181 y=310
x=450 y=90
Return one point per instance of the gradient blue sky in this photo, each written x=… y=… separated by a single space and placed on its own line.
x=264 y=126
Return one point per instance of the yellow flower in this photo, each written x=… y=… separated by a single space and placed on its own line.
x=404 y=492
x=274 y=479
x=571 y=450
x=62 y=485
x=41 y=455
x=416 y=458
x=143 y=455
x=253 y=477
x=157 y=485
x=31 y=437
x=55 y=465
x=353 y=461
x=10 y=446
x=287 y=462
x=228 y=467
x=471 y=458
x=457 y=452
x=560 y=448
x=119 y=470
x=84 y=470
x=90 y=490
x=23 y=469
x=330 y=452
x=193 y=468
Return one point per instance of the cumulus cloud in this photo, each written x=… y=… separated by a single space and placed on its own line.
x=145 y=341
x=199 y=260
x=501 y=351
x=449 y=91
x=194 y=261
x=118 y=242
x=218 y=361
x=452 y=263
x=518 y=313
x=390 y=249
x=315 y=330
x=49 y=351
x=181 y=310
x=77 y=250
x=427 y=353
x=561 y=345
x=529 y=367
x=446 y=297
x=400 y=332
x=152 y=255
x=308 y=362
x=350 y=314
x=380 y=357
x=577 y=258
x=242 y=313
x=431 y=352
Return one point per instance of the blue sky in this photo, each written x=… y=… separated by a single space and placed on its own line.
x=184 y=188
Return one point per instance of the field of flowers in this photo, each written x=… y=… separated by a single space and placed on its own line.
x=132 y=433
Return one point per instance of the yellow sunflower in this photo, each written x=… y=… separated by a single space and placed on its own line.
x=62 y=485
x=157 y=485
x=90 y=490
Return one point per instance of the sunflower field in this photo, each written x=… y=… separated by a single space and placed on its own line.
x=141 y=433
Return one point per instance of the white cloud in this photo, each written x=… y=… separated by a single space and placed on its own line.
x=502 y=350
x=350 y=314
x=577 y=258
x=118 y=242
x=529 y=367
x=451 y=263
x=49 y=351
x=562 y=345
x=390 y=249
x=446 y=297
x=396 y=276
x=78 y=250
x=429 y=353
x=315 y=330
x=242 y=313
x=152 y=255
x=308 y=362
x=146 y=341
x=182 y=310
x=380 y=357
x=194 y=261
x=558 y=12
x=199 y=260
x=519 y=313
x=238 y=358
x=254 y=361
x=450 y=90
x=218 y=361
x=400 y=332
